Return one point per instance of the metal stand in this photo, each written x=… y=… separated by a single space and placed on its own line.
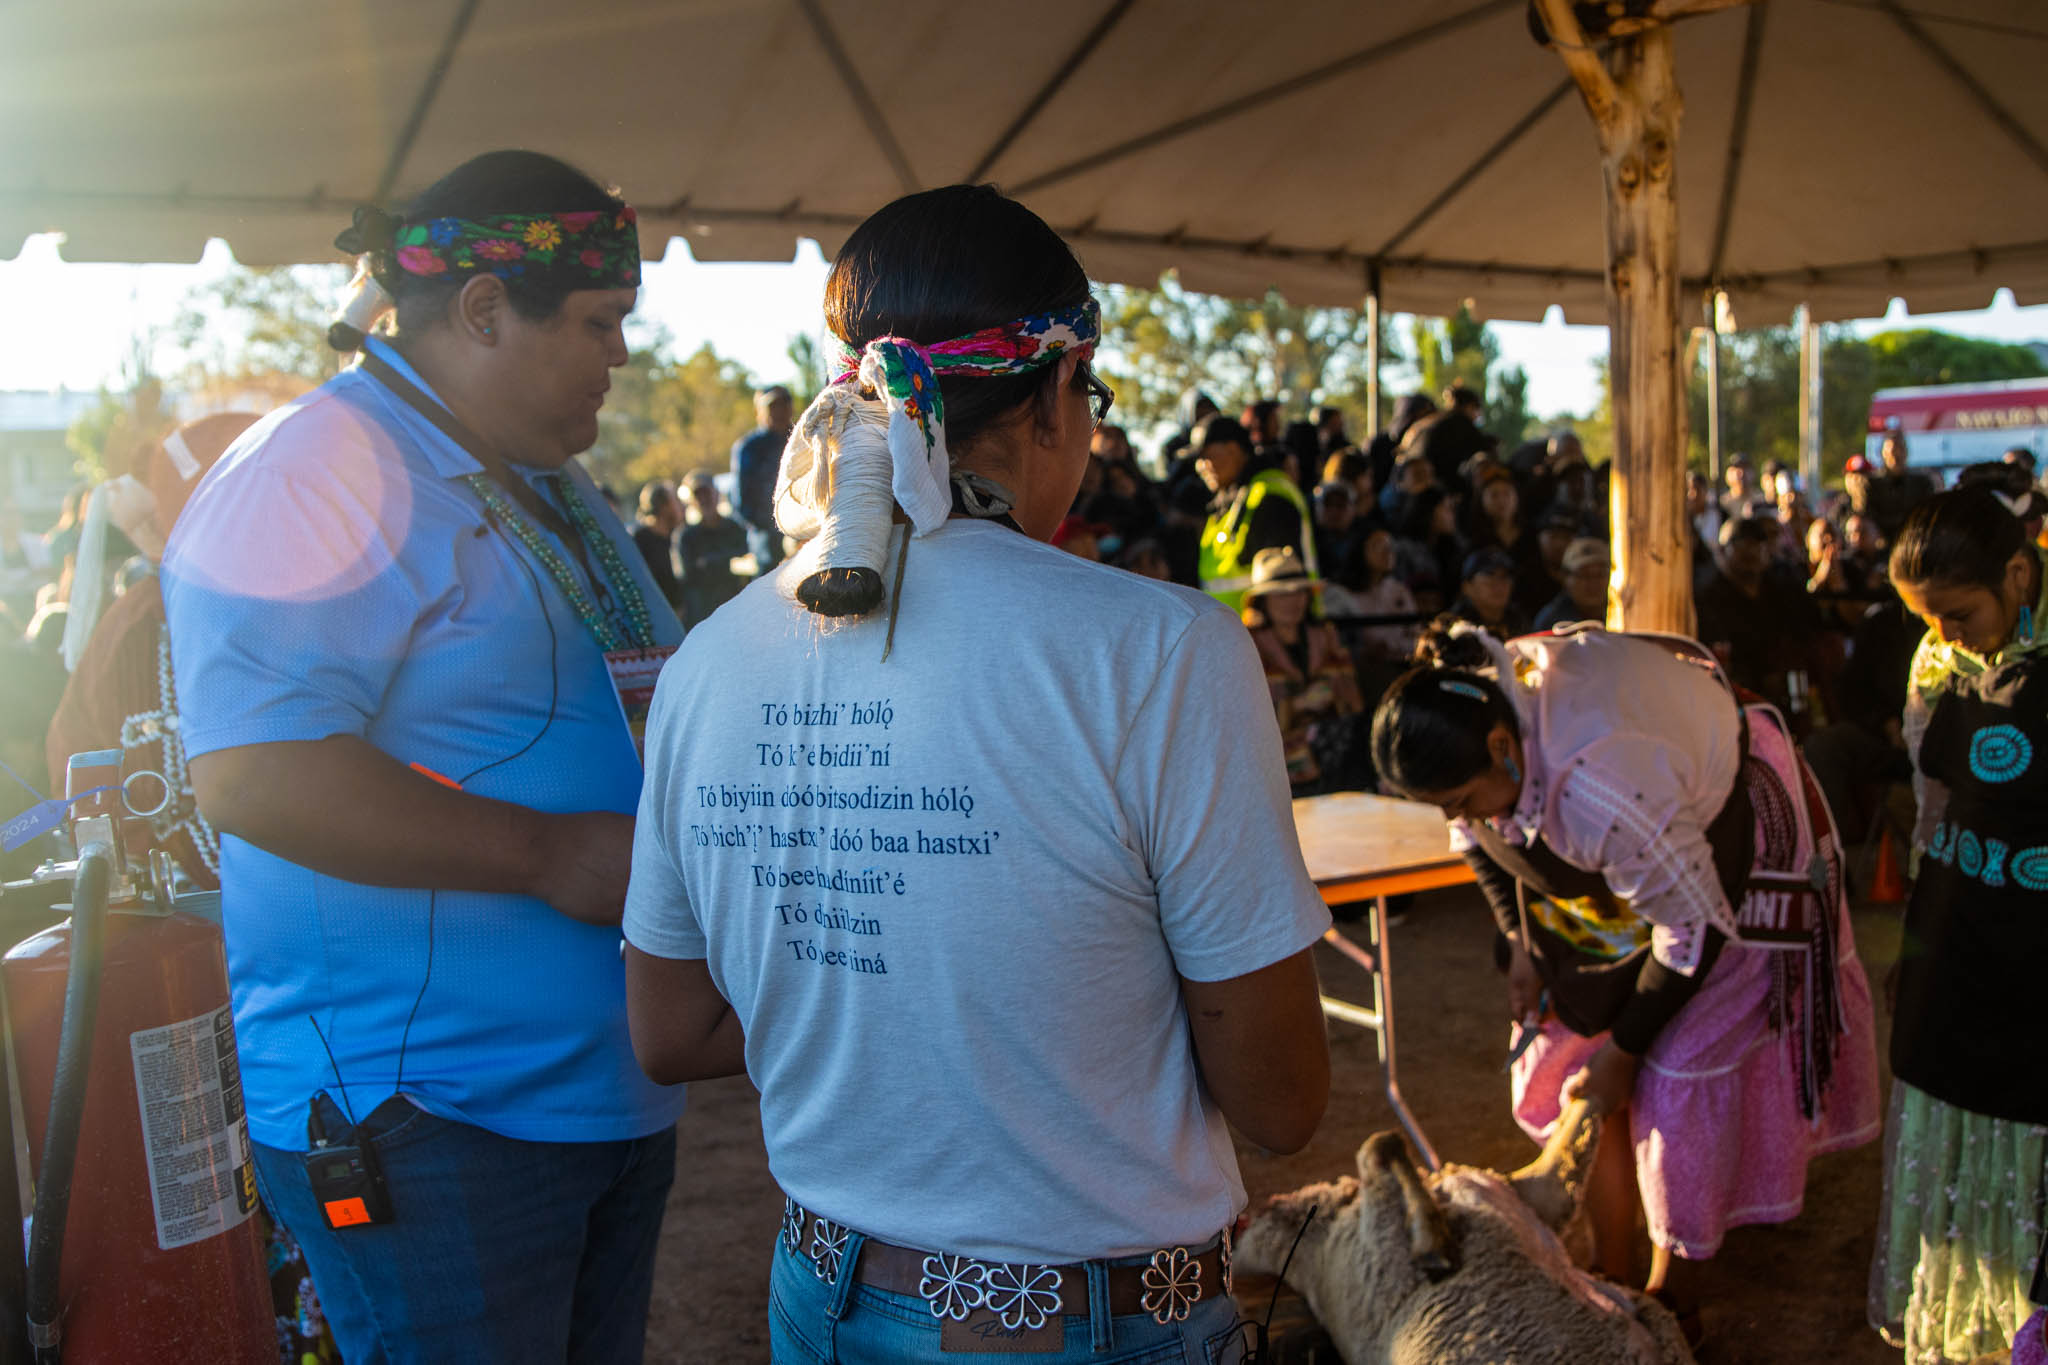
x=1380 y=1018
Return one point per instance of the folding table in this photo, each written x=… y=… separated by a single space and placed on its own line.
x=1361 y=847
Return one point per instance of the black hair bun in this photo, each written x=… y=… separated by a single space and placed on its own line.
x=841 y=592
x=372 y=230
x=344 y=338
x=1439 y=648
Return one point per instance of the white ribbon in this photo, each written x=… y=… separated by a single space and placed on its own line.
x=181 y=455
x=919 y=472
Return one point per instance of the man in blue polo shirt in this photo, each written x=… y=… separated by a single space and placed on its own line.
x=402 y=625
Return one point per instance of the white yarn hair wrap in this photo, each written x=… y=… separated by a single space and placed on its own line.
x=366 y=300
x=850 y=462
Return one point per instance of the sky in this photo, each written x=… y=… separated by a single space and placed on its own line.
x=73 y=325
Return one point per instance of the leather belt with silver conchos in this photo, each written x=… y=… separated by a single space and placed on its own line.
x=1022 y=1297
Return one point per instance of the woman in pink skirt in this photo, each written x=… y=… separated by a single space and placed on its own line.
x=1666 y=875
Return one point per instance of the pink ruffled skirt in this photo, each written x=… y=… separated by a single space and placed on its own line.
x=1719 y=1137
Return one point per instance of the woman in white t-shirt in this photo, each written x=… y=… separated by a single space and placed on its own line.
x=965 y=850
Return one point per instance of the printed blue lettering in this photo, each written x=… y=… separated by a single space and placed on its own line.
x=2000 y=753
x=2030 y=867
x=1969 y=854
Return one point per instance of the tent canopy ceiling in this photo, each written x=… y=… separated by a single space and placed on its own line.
x=1839 y=152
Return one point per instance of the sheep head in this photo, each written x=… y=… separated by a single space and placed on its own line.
x=1366 y=1243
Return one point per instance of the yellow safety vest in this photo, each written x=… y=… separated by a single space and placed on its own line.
x=1226 y=569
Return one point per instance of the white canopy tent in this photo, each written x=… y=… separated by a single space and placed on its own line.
x=1833 y=152
x=1836 y=152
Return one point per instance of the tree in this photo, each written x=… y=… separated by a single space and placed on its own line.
x=1161 y=342
x=667 y=418
x=1458 y=349
x=1507 y=414
x=1296 y=355
x=1760 y=385
x=807 y=359
x=1926 y=355
x=1461 y=350
x=111 y=437
x=1759 y=398
x=259 y=334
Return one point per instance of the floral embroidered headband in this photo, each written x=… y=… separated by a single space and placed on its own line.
x=906 y=374
x=590 y=249
x=884 y=415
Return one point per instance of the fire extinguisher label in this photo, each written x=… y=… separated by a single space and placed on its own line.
x=202 y=1173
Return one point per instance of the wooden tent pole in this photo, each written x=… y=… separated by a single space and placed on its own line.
x=1714 y=391
x=1374 y=417
x=1809 y=403
x=1634 y=100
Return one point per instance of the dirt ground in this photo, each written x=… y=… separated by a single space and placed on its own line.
x=1788 y=1293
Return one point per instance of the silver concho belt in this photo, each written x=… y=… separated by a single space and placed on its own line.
x=1024 y=1296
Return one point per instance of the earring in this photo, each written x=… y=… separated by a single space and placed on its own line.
x=1514 y=768
x=487 y=331
x=2026 y=626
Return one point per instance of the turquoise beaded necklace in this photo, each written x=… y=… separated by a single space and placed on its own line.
x=639 y=633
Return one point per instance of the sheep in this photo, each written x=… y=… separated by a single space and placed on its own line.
x=1464 y=1268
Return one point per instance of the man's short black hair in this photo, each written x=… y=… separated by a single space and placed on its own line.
x=1752 y=530
x=1220 y=431
x=656 y=497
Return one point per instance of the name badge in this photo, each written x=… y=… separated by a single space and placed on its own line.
x=1779 y=912
x=37 y=820
x=634 y=673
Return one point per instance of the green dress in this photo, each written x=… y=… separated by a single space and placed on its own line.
x=1965 y=1192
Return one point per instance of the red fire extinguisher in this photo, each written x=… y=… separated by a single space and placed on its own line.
x=144 y=1244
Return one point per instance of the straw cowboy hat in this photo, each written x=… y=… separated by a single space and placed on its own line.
x=1279 y=569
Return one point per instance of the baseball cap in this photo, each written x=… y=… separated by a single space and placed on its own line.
x=1492 y=559
x=1586 y=552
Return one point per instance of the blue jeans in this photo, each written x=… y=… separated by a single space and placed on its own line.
x=814 y=1323
x=498 y=1251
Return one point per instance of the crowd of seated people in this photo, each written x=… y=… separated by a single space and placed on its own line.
x=1431 y=516
x=1424 y=517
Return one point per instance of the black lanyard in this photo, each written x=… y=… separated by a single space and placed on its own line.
x=494 y=465
x=961 y=508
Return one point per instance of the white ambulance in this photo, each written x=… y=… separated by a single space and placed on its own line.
x=1948 y=426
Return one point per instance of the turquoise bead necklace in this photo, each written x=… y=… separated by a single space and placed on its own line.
x=639 y=632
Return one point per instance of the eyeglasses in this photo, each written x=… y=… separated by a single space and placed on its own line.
x=1100 y=396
